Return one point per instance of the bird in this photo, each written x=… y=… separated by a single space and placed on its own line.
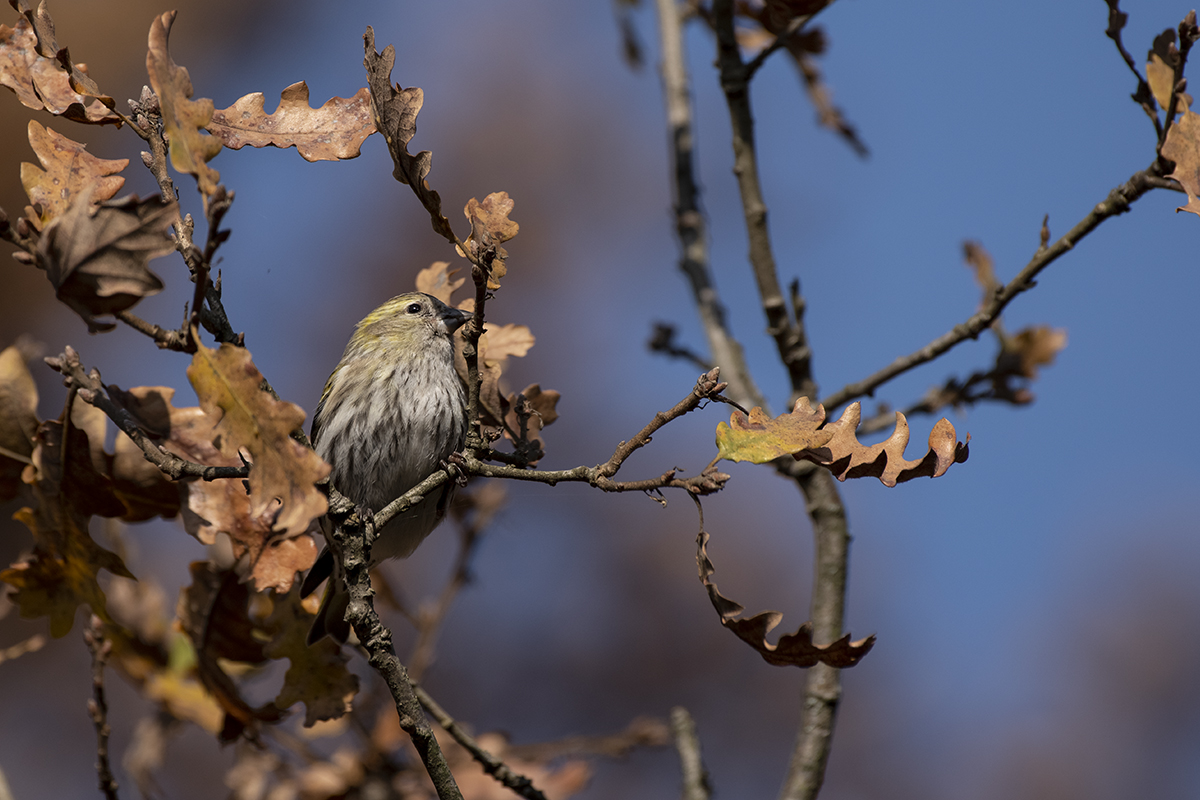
x=392 y=413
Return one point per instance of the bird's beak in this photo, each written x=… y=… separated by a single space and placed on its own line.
x=453 y=319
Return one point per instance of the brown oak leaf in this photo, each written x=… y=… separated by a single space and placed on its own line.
x=67 y=171
x=42 y=83
x=760 y=439
x=395 y=110
x=184 y=120
x=317 y=675
x=334 y=131
x=283 y=497
x=60 y=574
x=31 y=60
x=96 y=256
x=793 y=649
x=1183 y=147
x=490 y=228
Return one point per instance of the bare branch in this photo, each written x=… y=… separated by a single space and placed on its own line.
x=491 y=765
x=725 y=350
x=93 y=391
x=352 y=540
x=1117 y=202
x=1143 y=96
x=790 y=339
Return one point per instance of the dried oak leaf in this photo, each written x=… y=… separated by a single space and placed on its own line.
x=214 y=613
x=317 y=675
x=760 y=439
x=1183 y=147
x=283 y=499
x=490 y=228
x=184 y=120
x=395 y=111
x=47 y=46
x=96 y=256
x=1160 y=67
x=334 y=131
x=60 y=573
x=794 y=649
x=42 y=83
x=67 y=171
x=438 y=280
x=18 y=420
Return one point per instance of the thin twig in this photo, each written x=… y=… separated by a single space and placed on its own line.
x=1143 y=96
x=491 y=765
x=147 y=122
x=1187 y=37
x=641 y=732
x=165 y=339
x=1117 y=202
x=662 y=340
x=687 y=744
x=93 y=391
x=100 y=648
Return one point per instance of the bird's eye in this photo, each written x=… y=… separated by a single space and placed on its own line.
x=413 y=308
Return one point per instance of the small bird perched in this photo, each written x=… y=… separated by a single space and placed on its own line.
x=392 y=412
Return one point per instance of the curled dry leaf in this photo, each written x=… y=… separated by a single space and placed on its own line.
x=794 y=649
x=42 y=83
x=1183 y=147
x=67 y=171
x=48 y=47
x=334 y=131
x=490 y=228
x=760 y=439
x=317 y=675
x=96 y=256
x=184 y=120
x=395 y=110
x=18 y=420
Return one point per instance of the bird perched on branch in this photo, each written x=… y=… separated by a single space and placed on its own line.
x=391 y=414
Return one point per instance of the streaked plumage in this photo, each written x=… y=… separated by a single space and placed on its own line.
x=392 y=411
